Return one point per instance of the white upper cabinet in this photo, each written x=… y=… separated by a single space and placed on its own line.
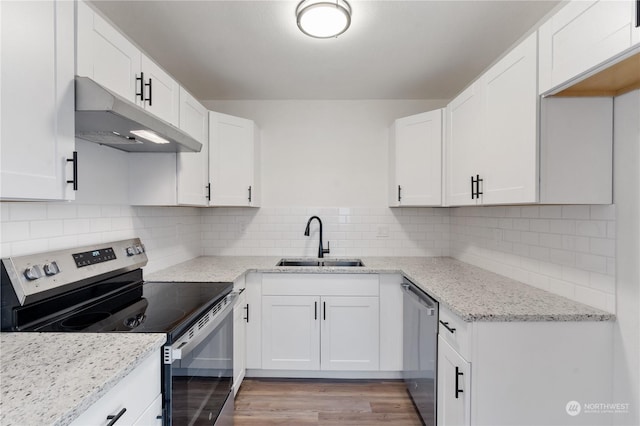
x=162 y=92
x=109 y=58
x=415 y=160
x=37 y=132
x=495 y=153
x=583 y=35
x=193 y=167
x=492 y=134
x=508 y=163
x=463 y=145
x=233 y=161
x=105 y=55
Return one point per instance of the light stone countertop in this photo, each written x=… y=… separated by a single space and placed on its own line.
x=52 y=378
x=472 y=293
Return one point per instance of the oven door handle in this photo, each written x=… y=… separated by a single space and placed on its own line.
x=201 y=331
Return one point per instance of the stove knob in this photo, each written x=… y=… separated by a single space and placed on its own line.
x=51 y=268
x=130 y=251
x=33 y=273
x=138 y=249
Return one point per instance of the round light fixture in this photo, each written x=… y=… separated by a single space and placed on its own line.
x=323 y=18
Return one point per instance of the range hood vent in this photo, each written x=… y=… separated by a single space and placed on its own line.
x=108 y=119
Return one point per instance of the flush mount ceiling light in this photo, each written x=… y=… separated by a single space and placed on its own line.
x=323 y=18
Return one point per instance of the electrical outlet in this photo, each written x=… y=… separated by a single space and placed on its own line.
x=383 y=231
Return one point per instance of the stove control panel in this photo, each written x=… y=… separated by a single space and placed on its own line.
x=34 y=276
x=92 y=257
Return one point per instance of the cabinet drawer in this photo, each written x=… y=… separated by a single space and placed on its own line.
x=320 y=284
x=135 y=393
x=455 y=331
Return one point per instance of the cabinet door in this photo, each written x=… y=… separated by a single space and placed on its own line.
x=37 y=132
x=291 y=332
x=107 y=56
x=162 y=95
x=193 y=167
x=454 y=387
x=418 y=159
x=253 y=293
x=463 y=145
x=350 y=333
x=581 y=36
x=510 y=103
x=239 y=342
x=152 y=415
x=231 y=160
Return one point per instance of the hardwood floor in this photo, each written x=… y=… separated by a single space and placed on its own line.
x=324 y=402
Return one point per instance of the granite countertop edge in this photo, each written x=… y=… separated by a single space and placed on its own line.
x=263 y=265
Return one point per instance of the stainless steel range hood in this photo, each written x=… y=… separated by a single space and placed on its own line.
x=108 y=119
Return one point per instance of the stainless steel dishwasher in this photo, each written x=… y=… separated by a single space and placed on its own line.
x=420 y=341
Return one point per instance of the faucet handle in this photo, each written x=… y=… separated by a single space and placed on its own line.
x=328 y=249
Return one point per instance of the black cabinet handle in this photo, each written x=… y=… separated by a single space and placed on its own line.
x=246 y=308
x=249 y=193
x=74 y=181
x=473 y=192
x=324 y=311
x=141 y=92
x=209 y=191
x=115 y=418
x=458 y=374
x=150 y=86
x=446 y=325
x=399 y=193
x=637 y=13
x=315 y=310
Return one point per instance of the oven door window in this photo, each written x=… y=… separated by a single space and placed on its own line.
x=201 y=381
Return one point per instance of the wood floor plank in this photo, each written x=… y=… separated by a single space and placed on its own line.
x=324 y=402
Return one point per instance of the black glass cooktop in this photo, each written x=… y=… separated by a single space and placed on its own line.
x=126 y=304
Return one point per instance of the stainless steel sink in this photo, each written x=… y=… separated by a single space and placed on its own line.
x=341 y=263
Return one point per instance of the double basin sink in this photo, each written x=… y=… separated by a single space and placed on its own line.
x=338 y=263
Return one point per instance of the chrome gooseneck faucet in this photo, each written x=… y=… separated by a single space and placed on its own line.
x=321 y=251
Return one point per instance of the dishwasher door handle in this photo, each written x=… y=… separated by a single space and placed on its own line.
x=430 y=309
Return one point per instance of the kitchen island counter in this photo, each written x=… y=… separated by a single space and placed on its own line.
x=472 y=293
x=52 y=378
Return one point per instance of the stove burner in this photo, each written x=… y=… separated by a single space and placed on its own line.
x=82 y=321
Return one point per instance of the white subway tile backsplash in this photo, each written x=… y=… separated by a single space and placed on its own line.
x=568 y=250
x=46 y=228
x=14 y=231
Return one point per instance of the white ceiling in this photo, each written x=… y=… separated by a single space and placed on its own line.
x=393 y=50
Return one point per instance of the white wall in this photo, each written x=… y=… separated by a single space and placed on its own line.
x=627 y=198
x=324 y=153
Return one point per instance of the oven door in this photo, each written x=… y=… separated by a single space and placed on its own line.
x=198 y=371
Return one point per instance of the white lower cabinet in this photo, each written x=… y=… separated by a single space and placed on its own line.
x=349 y=333
x=137 y=398
x=326 y=322
x=290 y=333
x=454 y=397
x=320 y=333
x=490 y=372
x=239 y=338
